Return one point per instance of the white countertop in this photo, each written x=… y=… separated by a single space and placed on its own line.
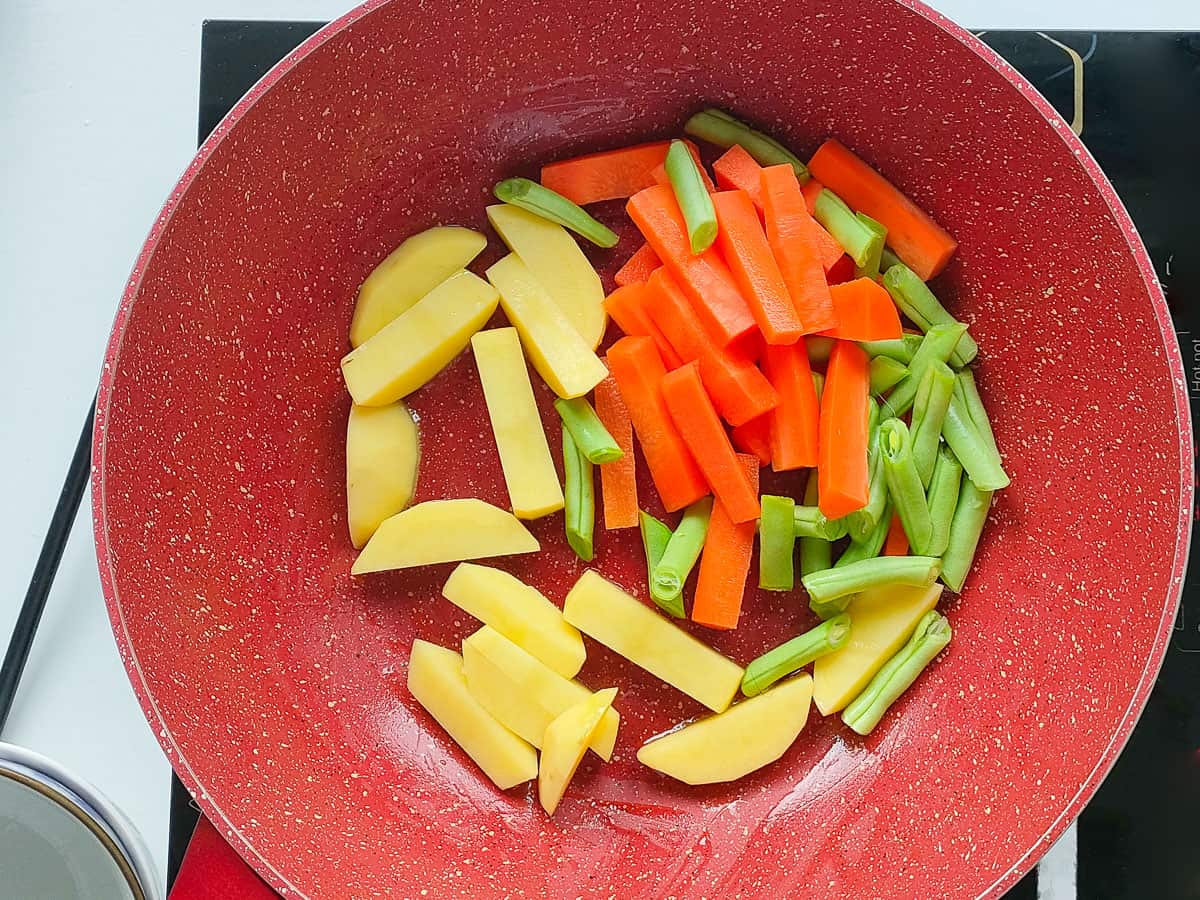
x=99 y=120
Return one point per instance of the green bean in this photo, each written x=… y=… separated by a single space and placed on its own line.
x=655 y=535
x=819 y=348
x=901 y=349
x=855 y=236
x=862 y=522
x=836 y=584
x=983 y=467
x=967 y=391
x=776 y=542
x=816 y=554
x=886 y=374
x=888 y=259
x=929 y=412
x=937 y=346
x=795 y=654
x=718 y=127
x=809 y=521
x=579 y=512
x=591 y=437
x=965 y=529
x=680 y=555
x=904 y=483
x=932 y=635
x=913 y=297
x=943 y=497
x=541 y=201
x=870 y=268
x=694 y=201
x=870 y=544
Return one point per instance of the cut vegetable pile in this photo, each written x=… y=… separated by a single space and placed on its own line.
x=781 y=318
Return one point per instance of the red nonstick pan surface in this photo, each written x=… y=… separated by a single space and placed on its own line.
x=276 y=682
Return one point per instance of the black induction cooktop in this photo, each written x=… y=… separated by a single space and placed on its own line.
x=1135 y=98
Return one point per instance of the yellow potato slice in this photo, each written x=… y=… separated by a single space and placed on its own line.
x=562 y=269
x=564 y=744
x=410 y=272
x=419 y=343
x=620 y=622
x=382 y=452
x=881 y=620
x=747 y=736
x=529 y=473
x=519 y=612
x=435 y=678
x=439 y=531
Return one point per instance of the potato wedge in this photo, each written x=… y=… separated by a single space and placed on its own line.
x=565 y=742
x=439 y=531
x=383 y=450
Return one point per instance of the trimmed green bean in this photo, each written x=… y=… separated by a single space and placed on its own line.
x=983 y=467
x=855 y=236
x=837 y=584
x=901 y=349
x=870 y=268
x=970 y=514
x=816 y=554
x=929 y=412
x=655 y=535
x=943 y=497
x=809 y=521
x=916 y=300
x=932 y=635
x=718 y=127
x=886 y=374
x=869 y=545
x=591 y=437
x=776 y=543
x=541 y=201
x=680 y=555
x=795 y=654
x=937 y=346
x=819 y=347
x=579 y=493
x=888 y=259
x=694 y=201
x=968 y=392
x=904 y=483
x=862 y=522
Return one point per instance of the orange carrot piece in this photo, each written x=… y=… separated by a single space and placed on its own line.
x=794 y=422
x=660 y=171
x=841 y=271
x=704 y=278
x=638 y=267
x=618 y=480
x=865 y=312
x=607 y=175
x=738 y=389
x=746 y=251
x=702 y=431
x=796 y=247
x=811 y=191
x=842 y=451
x=753 y=437
x=896 y=542
x=627 y=306
x=725 y=562
x=639 y=372
x=737 y=170
x=923 y=245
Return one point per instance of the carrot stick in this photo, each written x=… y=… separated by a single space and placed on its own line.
x=638 y=267
x=791 y=234
x=920 y=242
x=618 y=480
x=841 y=271
x=865 y=312
x=754 y=437
x=704 y=278
x=627 y=306
x=794 y=422
x=811 y=190
x=639 y=372
x=694 y=416
x=738 y=389
x=607 y=175
x=745 y=248
x=725 y=562
x=896 y=542
x=660 y=171
x=737 y=170
x=842 y=451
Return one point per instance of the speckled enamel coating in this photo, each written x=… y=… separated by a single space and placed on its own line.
x=275 y=681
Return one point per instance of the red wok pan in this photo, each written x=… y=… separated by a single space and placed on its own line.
x=275 y=681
